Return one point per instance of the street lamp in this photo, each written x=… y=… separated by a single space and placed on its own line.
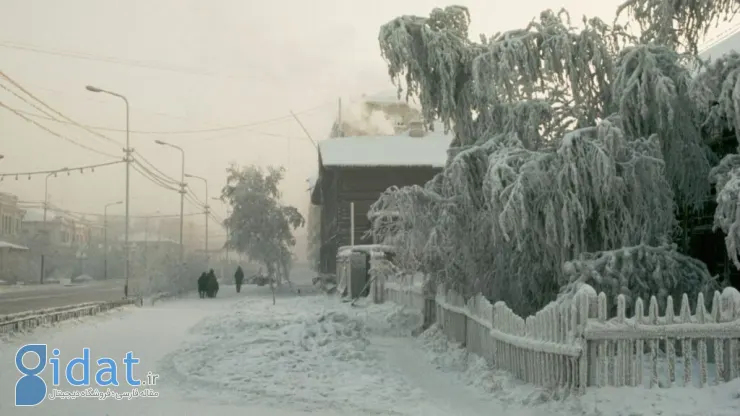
x=227 y=230
x=105 y=237
x=206 y=212
x=46 y=188
x=127 y=157
x=182 y=194
x=46 y=207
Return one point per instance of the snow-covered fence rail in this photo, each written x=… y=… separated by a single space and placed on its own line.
x=575 y=344
x=32 y=319
x=543 y=349
x=673 y=349
x=409 y=296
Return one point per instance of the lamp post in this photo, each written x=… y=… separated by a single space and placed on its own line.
x=105 y=237
x=127 y=157
x=46 y=230
x=207 y=211
x=227 y=231
x=182 y=194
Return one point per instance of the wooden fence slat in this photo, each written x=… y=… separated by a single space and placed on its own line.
x=575 y=343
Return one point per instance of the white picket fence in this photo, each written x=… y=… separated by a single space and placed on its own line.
x=575 y=344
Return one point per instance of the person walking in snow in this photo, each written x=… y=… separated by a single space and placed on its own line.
x=239 y=278
x=212 y=284
x=202 y=280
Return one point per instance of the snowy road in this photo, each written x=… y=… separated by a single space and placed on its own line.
x=18 y=299
x=238 y=355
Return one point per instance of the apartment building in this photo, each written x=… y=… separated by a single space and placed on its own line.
x=62 y=230
x=11 y=215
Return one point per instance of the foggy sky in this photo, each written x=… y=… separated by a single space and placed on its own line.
x=232 y=62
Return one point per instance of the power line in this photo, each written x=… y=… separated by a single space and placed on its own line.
x=108 y=59
x=194 y=202
x=92 y=214
x=69 y=120
x=244 y=126
x=164 y=177
x=41 y=126
x=143 y=171
x=195 y=197
x=62 y=170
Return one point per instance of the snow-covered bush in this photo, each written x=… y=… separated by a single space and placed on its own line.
x=640 y=272
x=569 y=143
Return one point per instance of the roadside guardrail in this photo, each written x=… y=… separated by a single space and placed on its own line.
x=31 y=319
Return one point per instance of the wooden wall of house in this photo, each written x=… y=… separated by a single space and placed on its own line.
x=363 y=186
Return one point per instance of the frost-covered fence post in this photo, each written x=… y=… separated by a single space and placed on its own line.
x=587 y=304
x=378 y=276
x=727 y=366
x=439 y=300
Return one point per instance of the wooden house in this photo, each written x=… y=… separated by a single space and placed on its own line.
x=357 y=170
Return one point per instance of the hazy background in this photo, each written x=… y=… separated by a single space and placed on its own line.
x=193 y=65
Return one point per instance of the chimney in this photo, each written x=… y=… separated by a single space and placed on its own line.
x=416 y=129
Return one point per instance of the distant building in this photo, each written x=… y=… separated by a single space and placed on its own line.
x=62 y=230
x=11 y=215
x=193 y=234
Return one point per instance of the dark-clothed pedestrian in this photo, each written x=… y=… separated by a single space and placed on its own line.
x=239 y=278
x=202 y=280
x=212 y=284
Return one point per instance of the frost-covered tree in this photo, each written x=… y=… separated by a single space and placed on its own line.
x=260 y=226
x=568 y=141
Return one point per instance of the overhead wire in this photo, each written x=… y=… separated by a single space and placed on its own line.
x=60 y=114
x=61 y=136
x=192 y=131
x=194 y=202
x=195 y=197
x=56 y=208
x=151 y=165
x=143 y=171
x=109 y=59
x=60 y=170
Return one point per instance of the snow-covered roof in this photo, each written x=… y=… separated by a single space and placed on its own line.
x=150 y=237
x=400 y=150
x=10 y=246
x=390 y=96
x=312 y=181
x=729 y=42
x=35 y=214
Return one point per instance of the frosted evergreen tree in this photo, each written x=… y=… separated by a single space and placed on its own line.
x=568 y=141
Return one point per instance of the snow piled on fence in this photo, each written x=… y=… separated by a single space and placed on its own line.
x=311 y=353
x=450 y=357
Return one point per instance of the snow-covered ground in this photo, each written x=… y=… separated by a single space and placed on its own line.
x=239 y=354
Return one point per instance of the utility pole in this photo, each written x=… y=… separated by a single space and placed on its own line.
x=127 y=157
x=207 y=212
x=182 y=191
x=105 y=237
x=46 y=231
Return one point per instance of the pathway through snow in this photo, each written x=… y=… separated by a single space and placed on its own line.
x=444 y=391
x=239 y=354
